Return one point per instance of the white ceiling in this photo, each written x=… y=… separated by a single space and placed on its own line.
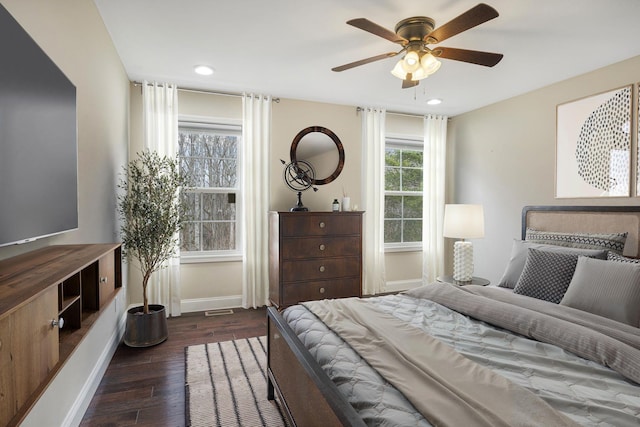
x=286 y=48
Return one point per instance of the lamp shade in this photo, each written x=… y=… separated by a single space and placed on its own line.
x=398 y=71
x=411 y=62
x=463 y=221
x=429 y=64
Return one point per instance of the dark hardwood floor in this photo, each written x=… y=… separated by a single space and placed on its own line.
x=145 y=386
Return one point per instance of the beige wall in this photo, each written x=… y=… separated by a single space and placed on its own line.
x=503 y=156
x=290 y=117
x=71 y=32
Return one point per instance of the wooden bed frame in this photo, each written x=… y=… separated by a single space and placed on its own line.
x=307 y=395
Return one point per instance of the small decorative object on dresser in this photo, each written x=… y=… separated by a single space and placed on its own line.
x=314 y=255
x=346 y=203
x=299 y=177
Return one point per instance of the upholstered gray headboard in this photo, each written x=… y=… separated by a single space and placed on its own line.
x=587 y=219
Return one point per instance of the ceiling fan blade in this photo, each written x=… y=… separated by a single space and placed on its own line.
x=471 y=18
x=407 y=83
x=373 y=28
x=365 y=61
x=488 y=59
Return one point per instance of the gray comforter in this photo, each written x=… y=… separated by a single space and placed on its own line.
x=601 y=340
x=585 y=391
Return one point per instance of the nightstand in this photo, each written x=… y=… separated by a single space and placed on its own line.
x=474 y=281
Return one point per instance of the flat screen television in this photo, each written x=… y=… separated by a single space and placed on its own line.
x=38 y=140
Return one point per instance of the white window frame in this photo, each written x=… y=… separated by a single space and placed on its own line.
x=233 y=127
x=409 y=142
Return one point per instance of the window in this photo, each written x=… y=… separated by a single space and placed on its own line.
x=209 y=156
x=403 y=193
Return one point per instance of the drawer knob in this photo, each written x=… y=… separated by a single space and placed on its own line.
x=321 y=269
x=322 y=224
x=103 y=279
x=57 y=322
x=322 y=247
x=322 y=290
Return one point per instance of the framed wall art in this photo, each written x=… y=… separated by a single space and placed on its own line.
x=593 y=145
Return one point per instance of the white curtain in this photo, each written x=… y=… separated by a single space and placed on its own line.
x=160 y=118
x=435 y=143
x=373 y=149
x=256 y=137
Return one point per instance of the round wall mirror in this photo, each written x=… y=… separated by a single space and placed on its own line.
x=321 y=148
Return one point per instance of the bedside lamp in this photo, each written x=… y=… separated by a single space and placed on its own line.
x=463 y=222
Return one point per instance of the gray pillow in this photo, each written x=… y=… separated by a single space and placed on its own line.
x=612 y=241
x=606 y=288
x=612 y=256
x=519 y=257
x=546 y=275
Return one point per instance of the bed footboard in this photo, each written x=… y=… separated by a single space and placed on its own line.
x=308 y=396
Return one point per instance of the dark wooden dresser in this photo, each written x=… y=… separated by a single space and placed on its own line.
x=314 y=255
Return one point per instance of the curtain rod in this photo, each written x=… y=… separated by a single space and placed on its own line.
x=395 y=113
x=211 y=92
x=358 y=109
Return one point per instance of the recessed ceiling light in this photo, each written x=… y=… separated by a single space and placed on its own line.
x=434 y=101
x=203 y=70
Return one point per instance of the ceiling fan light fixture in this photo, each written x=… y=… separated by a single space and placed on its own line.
x=419 y=74
x=429 y=64
x=416 y=67
x=402 y=73
x=411 y=62
x=398 y=71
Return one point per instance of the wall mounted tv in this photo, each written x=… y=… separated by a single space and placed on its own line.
x=38 y=140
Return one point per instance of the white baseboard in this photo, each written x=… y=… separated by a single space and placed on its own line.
x=402 y=285
x=75 y=415
x=205 y=304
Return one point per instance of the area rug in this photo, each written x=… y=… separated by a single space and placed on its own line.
x=226 y=385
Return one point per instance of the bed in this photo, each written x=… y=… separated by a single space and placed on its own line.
x=521 y=353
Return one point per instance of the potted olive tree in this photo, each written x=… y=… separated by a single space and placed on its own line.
x=151 y=212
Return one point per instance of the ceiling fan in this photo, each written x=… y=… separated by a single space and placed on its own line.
x=416 y=33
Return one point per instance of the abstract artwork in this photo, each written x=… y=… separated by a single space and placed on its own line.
x=593 y=146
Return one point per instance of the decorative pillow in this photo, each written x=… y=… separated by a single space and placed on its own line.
x=612 y=256
x=546 y=275
x=519 y=257
x=608 y=289
x=613 y=242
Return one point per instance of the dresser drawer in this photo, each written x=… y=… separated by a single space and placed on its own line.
x=320 y=225
x=314 y=247
x=324 y=289
x=320 y=268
